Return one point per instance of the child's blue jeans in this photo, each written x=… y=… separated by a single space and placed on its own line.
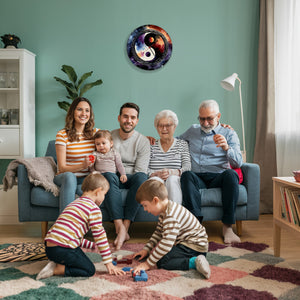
x=76 y=263
x=178 y=258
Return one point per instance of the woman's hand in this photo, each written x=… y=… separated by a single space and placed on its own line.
x=87 y=162
x=113 y=270
x=163 y=174
x=226 y=126
x=151 y=140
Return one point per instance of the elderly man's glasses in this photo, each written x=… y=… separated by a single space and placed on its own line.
x=208 y=119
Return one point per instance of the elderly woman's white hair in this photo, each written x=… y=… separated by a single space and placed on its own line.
x=166 y=114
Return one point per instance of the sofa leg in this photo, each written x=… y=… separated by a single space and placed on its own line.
x=44 y=229
x=239 y=229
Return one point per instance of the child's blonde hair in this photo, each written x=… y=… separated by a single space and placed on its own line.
x=103 y=133
x=94 y=181
x=149 y=189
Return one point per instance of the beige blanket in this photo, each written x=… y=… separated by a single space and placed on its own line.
x=41 y=171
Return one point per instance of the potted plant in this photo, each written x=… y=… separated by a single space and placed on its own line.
x=75 y=88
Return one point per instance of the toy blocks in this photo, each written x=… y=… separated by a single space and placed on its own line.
x=143 y=276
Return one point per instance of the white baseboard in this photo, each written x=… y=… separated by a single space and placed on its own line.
x=9 y=206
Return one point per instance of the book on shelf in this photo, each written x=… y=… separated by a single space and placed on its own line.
x=296 y=195
x=284 y=209
x=294 y=215
x=290 y=205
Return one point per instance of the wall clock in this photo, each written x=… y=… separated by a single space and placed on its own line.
x=149 y=47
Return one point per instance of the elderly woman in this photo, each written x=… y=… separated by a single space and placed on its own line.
x=169 y=156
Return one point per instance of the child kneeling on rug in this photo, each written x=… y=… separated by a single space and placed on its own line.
x=179 y=241
x=66 y=236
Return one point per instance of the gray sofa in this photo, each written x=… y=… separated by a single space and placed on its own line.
x=35 y=204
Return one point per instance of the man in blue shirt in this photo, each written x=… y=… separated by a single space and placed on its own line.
x=213 y=150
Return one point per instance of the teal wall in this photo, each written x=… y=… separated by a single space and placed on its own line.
x=211 y=40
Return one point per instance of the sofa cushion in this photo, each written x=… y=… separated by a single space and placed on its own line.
x=213 y=197
x=40 y=197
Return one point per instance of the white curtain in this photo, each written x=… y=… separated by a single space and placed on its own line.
x=287 y=85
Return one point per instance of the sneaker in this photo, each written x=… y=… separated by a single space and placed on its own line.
x=202 y=266
x=47 y=271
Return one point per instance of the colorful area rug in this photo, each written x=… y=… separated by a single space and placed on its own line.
x=241 y=271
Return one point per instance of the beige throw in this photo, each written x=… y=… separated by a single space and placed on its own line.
x=41 y=171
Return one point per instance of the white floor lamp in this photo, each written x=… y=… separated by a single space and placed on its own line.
x=228 y=84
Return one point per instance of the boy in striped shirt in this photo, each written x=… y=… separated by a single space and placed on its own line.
x=66 y=236
x=179 y=241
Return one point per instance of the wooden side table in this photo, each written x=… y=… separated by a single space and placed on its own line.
x=278 y=221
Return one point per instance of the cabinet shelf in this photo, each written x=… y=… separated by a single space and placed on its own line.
x=278 y=221
x=17 y=100
x=9 y=90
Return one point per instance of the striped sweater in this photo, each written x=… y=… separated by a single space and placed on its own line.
x=176 y=158
x=176 y=226
x=76 y=151
x=75 y=221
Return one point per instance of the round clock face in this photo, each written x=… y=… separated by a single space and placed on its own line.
x=149 y=47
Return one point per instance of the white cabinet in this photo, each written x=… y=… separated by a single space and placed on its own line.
x=17 y=104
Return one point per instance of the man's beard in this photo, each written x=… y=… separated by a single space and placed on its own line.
x=127 y=130
x=208 y=129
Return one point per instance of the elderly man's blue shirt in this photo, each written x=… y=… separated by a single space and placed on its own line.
x=205 y=156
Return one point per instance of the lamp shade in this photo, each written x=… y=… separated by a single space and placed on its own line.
x=228 y=83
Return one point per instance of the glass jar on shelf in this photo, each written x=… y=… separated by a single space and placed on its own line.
x=14 y=116
x=3 y=80
x=5 y=116
x=13 y=79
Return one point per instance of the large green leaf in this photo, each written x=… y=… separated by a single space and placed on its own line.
x=88 y=86
x=69 y=86
x=83 y=78
x=73 y=93
x=70 y=72
x=66 y=84
x=64 y=105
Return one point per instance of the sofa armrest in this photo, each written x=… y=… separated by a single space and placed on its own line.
x=24 y=193
x=251 y=173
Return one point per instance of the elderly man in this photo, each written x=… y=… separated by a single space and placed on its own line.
x=213 y=150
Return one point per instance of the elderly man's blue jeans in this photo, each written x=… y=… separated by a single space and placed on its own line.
x=228 y=181
x=113 y=198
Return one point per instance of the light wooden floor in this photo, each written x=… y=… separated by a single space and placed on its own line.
x=260 y=231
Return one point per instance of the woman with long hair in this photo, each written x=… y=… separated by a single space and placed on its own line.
x=73 y=145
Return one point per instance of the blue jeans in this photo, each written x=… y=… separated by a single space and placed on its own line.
x=177 y=258
x=113 y=199
x=68 y=188
x=228 y=181
x=76 y=263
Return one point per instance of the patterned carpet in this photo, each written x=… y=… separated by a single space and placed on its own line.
x=241 y=271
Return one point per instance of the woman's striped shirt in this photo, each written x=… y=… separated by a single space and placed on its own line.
x=177 y=157
x=76 y=151
x=74 y=222
x=176 y=226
